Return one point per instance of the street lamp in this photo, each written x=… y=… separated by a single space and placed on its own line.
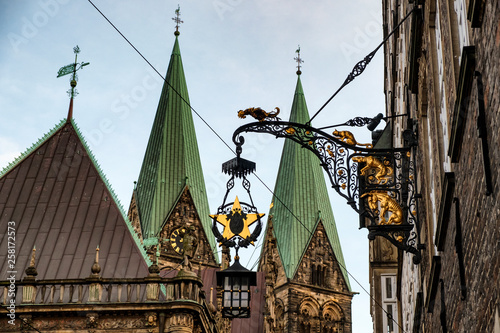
x=236 y=217
x=236 y=282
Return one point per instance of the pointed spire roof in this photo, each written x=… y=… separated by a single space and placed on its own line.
x=172 y=160
x=57 y=197
x=303 y=195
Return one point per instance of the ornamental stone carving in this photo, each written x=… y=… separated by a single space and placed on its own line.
x=180 y=322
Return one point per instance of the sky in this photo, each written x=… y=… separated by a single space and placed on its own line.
x=236 y=54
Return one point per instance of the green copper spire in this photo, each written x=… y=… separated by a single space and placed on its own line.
x=172 y=162
x=301 y=188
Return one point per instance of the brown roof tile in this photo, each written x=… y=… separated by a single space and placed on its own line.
x=59 y=202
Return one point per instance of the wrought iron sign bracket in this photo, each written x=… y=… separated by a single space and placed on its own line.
x=379 y=184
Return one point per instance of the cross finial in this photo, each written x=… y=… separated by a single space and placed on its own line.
x=299 y=60
x=177 y=19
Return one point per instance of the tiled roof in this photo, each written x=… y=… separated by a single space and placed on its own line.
x=60 y=202
x=172 y=159
x=301 y=188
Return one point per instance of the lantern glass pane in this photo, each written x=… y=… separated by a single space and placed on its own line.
x=227 y=283
x=236 y=300
x=244 y=299
x=236 y=283
x=244 y=283
x=227 y=299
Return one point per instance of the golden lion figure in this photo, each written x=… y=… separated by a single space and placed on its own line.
x=387 y=204
x=348 y=137
x=383 y=171
x=258 y=113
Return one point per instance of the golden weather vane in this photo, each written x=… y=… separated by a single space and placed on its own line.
x=177 y=20
x=71 y=69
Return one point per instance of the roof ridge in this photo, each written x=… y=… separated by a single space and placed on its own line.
x=32 y=148
x=112 y=192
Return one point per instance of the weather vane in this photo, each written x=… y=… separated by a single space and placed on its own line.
x=72 y=68
x=299 y=60
x=177 y=19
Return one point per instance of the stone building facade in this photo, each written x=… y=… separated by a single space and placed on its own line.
x=442 y=69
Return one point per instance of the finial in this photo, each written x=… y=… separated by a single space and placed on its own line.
x=32 y=262
x=299 y=60
x=211 y=305
x=96 y=268
x=177 y=19
x=71 y=69
x=31 y=270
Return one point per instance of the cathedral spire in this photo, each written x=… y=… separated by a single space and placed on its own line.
x=171 y=165
x=302 y=189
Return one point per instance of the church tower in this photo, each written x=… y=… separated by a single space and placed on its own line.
x=169 y=198
x=307 y=287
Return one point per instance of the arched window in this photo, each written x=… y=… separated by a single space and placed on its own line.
x=332 y=317
x=308 y=315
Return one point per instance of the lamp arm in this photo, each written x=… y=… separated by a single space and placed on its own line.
x=374 y=182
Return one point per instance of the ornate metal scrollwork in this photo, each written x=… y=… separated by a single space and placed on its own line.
x=237 y=216
x=377 y=183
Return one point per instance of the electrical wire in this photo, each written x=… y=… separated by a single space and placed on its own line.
x=168 y=83
x=220 y=138
x=358 y=68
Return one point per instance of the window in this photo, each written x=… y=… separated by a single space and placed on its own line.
x=389 y=303
x=463 y=32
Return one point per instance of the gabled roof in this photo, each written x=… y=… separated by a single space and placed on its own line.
x=60 y=202
x=301 y=189
x=172 y=159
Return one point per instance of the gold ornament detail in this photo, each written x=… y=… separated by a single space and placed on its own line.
x=387 y=204
x=236 y=223
x=348 y=137
x=383 y=170
x=258 y=113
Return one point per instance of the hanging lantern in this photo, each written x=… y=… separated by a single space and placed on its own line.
x=236 y=217
x=235 y=282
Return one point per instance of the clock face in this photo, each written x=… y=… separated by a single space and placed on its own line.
x=176 y=239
